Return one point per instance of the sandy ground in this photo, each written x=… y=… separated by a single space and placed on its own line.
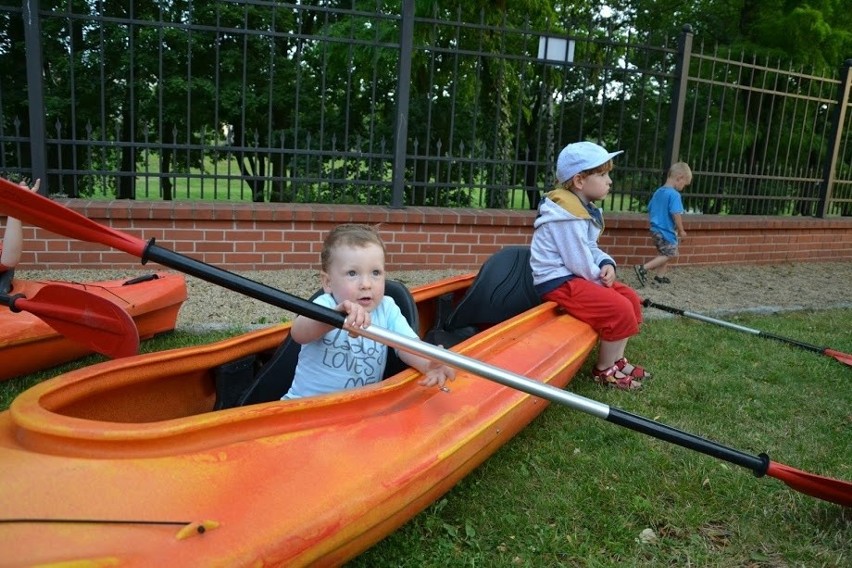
x=713 y=291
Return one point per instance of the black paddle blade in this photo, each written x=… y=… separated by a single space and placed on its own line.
x=84 y=317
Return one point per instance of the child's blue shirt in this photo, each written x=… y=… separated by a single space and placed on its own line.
x=665 y=202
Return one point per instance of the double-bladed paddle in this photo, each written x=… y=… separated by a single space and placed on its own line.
x=40 y=211
x=844 y=358
x=81 y=316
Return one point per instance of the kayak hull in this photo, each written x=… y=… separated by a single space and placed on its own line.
x=125 y=463
x=27 y=344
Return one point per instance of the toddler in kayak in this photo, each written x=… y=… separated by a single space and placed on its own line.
x=570 y=269
x=353 y=280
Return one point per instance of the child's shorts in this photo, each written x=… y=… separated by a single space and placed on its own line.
x=664 y=247
x=615 y=313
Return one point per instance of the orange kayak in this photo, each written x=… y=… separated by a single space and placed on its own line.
x=27 y=344
x=126 y=463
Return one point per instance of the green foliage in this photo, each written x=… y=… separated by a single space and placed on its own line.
x=309 y=92
x=815 y=34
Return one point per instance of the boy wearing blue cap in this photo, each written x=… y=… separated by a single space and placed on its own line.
x=570 y=269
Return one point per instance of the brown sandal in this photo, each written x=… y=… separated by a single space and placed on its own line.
x=636 y=372
x=610 y=377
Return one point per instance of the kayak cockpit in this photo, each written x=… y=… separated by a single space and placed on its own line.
x=68 y=419
x=171 y=402
x=173 y=393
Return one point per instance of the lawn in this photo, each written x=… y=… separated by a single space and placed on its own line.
x=222 y=180
x=574 y=490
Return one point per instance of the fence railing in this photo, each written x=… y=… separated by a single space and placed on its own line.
x=790 y=153
x=290 y=102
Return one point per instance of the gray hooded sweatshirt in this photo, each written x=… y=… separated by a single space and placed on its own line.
x=565 y=242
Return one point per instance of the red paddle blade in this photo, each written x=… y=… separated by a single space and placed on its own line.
x=824 y=488
x=844 y=358
x=32 y=208
x=84 y=317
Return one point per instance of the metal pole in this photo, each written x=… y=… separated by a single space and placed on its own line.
x=35 y=93
x=832 y=156
x=403 y=92
x=678 y=97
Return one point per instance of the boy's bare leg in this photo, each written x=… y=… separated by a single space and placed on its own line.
x=658 y=263
x=609 y=352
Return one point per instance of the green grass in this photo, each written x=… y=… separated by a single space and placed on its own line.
x=192 y=185
x=222 y=180
x=573 y=490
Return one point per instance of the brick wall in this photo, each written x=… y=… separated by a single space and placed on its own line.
x=258 y=236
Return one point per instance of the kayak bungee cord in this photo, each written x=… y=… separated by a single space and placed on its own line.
x=189 y=528
x=93 y=521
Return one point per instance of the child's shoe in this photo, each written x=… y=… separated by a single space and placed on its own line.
x=662 y=280
x=635 y=372
x=641 y=274
x=613 y=377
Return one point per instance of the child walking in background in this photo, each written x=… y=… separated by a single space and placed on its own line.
x=570 y=269
x=665 y=211
x=353 y=279
x=12 y=246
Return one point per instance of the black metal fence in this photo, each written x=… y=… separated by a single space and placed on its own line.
x=334 y=102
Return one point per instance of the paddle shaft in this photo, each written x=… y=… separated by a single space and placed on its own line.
x=10 y=301
x=757 y=464
x=336 y=319
x=730 y=325
x=237 y=283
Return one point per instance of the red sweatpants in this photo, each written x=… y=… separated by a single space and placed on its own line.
x=615 y=313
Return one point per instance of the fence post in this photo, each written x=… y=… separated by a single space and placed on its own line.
x=681 y=75
x=403 y=91
x=35 y=93
x=832 y=155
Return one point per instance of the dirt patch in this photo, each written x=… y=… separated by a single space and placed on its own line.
x=714 y=291
x=760 y=288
